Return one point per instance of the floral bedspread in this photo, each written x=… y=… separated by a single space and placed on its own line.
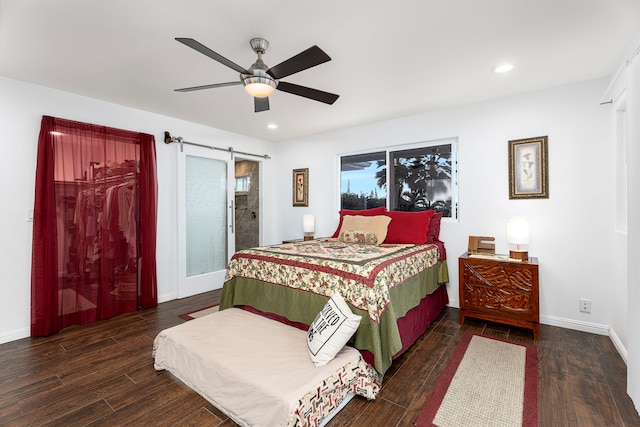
x=363 y=274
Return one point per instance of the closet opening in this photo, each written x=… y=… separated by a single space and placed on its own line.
x=94 y=229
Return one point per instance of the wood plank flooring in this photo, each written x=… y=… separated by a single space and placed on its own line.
x=102 y=375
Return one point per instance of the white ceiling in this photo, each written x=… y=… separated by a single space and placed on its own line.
x=389 y=58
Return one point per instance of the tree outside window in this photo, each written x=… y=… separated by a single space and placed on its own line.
x=421 y=179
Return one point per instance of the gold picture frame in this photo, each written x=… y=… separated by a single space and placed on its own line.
x=301 y=187
x=528 y=168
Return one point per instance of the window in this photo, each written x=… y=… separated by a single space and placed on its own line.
x=421 y=176
x=362 y=181
x=243 y=184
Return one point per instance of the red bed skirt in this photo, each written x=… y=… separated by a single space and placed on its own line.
x=411 y=326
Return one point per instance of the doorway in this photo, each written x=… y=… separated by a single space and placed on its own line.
x=247 y=204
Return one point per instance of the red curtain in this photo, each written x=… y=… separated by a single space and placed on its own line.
x=94 y=224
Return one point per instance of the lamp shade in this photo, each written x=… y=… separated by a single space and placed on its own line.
x=259 y=86
x=517 y=231
x=259 y=90
x=308 y=223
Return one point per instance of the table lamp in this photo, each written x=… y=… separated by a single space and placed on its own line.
x=518 y=234
x=308 y=226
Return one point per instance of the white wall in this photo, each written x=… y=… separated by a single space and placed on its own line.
x=22 y=106
x=619 y=277
x=571 y=232
x=632 y=87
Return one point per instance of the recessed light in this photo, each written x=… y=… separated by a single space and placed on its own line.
x=503 y=68
x=272 y=126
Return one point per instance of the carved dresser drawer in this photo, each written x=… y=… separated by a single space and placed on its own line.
x=500 y=291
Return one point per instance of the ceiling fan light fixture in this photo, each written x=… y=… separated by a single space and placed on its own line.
x=259 y=86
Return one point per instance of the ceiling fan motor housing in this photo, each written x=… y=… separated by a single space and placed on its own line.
x=258 y=71
x=259 y=45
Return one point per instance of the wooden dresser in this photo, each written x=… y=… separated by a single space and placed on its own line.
x=500 y=291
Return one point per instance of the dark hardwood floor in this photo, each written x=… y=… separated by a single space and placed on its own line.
x=102 y=375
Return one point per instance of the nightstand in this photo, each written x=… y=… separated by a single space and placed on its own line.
x=500 y=290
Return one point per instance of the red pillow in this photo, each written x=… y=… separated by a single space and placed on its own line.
x=433 y=234
x=365 y=212
x=408 y=227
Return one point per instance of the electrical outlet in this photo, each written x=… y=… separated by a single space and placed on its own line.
x=585 y=305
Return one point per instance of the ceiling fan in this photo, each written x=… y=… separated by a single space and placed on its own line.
x=261 y=81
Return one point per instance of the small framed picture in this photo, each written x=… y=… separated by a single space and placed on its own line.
x=301 y=187
x=528 y=168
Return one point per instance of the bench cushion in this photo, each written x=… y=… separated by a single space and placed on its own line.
x=257 y=370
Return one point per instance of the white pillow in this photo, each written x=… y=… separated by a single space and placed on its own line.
x=330 y=330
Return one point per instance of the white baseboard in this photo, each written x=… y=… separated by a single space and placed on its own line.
x=167 y=297
x=615 y=339
x=14 y=335
x=454 y=303
x=593 y=328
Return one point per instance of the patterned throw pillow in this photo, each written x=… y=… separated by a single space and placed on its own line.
x=330 y=330
x=366 y=212
x=356 y=236
x=377 y=224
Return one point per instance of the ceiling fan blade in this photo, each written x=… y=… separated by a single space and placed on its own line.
x=307 y=92
x=306 y=59
x=261 y=104
x=190 y=89
x=211 y=54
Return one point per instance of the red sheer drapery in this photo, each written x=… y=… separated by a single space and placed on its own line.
x=94 y=229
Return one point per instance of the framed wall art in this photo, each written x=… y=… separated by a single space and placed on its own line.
x=301 y=187
x=528 y=168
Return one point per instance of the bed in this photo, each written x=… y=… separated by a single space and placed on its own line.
x=397 y=288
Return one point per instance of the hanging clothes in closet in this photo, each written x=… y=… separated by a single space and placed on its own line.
x=106 y=225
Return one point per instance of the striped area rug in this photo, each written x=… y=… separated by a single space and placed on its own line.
x=199 y=313
x=487 y=382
